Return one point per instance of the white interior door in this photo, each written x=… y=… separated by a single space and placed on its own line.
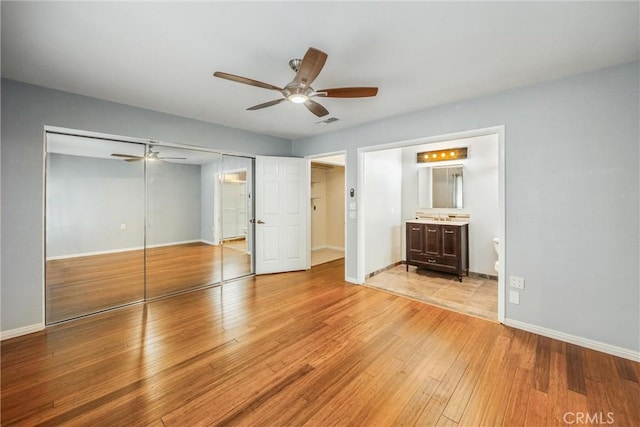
x=281 y=214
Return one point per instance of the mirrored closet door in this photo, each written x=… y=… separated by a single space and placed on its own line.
x=235 y=180
x=128 y=222
x=182 y=239
x=95 y=207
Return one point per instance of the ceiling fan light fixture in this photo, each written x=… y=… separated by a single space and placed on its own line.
x=298 y=98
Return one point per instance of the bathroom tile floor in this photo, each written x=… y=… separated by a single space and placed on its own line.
x=475 y=296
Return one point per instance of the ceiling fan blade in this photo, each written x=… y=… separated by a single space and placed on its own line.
x=246 y=81
x=348 y=92
x=134 y=159
x=267 y=104
x=316 y=108
x=310 y=67
x=126 y=156
x=172 y=158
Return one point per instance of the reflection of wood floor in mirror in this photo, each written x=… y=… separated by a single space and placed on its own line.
x=239 y=244
x=474 y=296
x=84 y=285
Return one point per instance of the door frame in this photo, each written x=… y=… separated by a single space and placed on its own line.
x=499 y=131
x=309 y=159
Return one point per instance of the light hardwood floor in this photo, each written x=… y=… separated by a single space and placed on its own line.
x=320 y=256
x=304 y=348
x=83 y=285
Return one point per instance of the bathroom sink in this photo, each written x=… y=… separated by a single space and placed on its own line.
x=440 y=221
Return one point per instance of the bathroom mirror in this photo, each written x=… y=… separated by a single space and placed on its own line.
x=440 y=187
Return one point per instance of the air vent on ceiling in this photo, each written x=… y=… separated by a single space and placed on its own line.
x=327 y=121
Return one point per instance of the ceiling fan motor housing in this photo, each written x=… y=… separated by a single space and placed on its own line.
x=295 y=64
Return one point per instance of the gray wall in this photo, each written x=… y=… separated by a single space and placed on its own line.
x=88 y=200
x=26 y=109
x=173 y=203
x=572 y=194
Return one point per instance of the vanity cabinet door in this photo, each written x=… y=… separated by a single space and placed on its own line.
x=432 y=239
x=450 y=241
x=414 y=240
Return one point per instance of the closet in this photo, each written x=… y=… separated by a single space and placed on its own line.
x=132 y=221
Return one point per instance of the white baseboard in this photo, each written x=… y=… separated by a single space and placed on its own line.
x=12 y=333
x=573 y=339
x=113 y=251
x=351 y=280
x=182 y=242
x=209 y=242
x=335 y=248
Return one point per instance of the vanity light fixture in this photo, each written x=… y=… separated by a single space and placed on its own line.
x=442 y=155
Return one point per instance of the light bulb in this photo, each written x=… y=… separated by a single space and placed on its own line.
x=297 y=98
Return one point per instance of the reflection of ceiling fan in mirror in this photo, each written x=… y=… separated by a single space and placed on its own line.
x=299 y=90
x=151 y=156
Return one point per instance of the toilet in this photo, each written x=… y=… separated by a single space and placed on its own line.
x=496 y=244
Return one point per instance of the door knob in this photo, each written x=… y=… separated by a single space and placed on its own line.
x=260 y=221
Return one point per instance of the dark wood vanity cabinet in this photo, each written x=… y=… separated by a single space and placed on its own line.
x=441 y=247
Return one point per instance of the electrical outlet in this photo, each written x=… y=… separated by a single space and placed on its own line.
x=514 y=297
x=516 y=282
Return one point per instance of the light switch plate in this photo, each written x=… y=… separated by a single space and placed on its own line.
x=516 y=282
x=514 y=297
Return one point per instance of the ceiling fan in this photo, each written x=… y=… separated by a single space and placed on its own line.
x=151 y=156
x=299 y=90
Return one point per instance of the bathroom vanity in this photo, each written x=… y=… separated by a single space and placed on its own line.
x=438 y=245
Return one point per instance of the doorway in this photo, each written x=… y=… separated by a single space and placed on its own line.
x=130 y=221
x=385 y=169
x=327 y=208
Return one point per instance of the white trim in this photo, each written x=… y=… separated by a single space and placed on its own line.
x=494 y=130
x=352 y=280
x=135 y=248
x=502 y=230
x=360 y=218
x=335 y=248
x=573 y=339
x=17 y=332
x=152 y=142
x=208 y=242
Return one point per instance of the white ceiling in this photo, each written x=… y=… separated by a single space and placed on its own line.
x=161 y=55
